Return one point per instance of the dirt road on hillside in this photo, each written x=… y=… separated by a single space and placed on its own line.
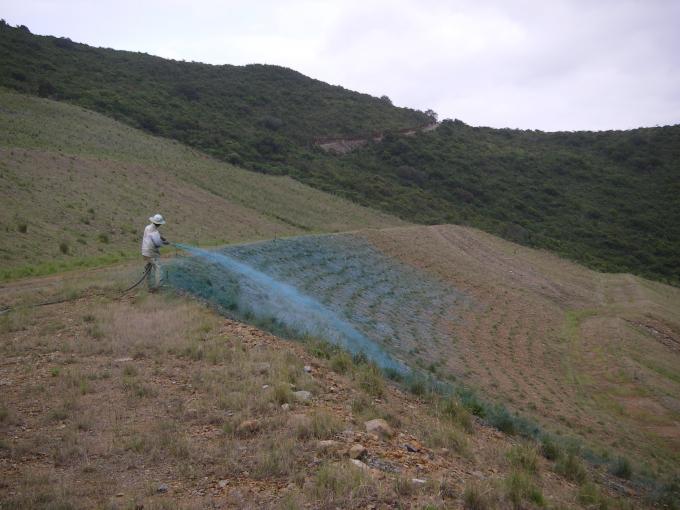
x=345 y=145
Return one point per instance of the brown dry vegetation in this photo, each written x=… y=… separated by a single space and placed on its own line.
x=588 y=354
x=119 y=402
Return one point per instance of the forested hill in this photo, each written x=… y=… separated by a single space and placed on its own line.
x=606 y=199
x=259 y=116
x=610 y=199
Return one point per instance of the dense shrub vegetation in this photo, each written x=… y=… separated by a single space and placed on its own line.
x=259 y=116
x=606 y=199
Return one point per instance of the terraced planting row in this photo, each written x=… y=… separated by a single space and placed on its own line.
x=554 y=340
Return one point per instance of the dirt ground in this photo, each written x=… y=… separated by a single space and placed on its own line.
x=155 y=401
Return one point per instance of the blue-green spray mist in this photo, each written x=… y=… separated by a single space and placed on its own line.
x=237 y=286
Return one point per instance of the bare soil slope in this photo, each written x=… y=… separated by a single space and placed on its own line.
x=589 y=354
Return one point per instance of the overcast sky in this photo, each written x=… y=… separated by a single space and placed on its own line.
x=531 y=64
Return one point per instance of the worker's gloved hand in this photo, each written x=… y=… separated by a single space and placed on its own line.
x=165 y=241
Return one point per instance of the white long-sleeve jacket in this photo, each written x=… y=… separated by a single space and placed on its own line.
x=151 y=242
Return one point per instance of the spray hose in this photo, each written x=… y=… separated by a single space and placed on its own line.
x=147 y=268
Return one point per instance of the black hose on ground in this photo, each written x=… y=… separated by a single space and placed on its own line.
x=147 y=268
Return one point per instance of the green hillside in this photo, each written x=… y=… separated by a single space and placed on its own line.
x=77 y=188
x=260 y=116
x=607 y=199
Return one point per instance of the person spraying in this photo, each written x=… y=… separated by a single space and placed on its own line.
x=151 y=251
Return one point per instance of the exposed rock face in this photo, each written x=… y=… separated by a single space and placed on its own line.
x=380 y=428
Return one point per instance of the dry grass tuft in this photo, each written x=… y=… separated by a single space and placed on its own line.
x=341 y=484
x=525 y=457
x=319 y=424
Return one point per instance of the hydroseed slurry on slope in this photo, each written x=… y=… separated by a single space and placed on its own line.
x=558 y=342
x=335 y=287
x=463 y=305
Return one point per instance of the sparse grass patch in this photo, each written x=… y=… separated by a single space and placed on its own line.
x=320 y=348
x=6 y=415
x=403 y=486
x=478 y=497
x=317 y=425
x=138 y=389
x=444 y=435
x=58 y=414
x=37 y=490
x=282 y=393
x=361 y=404
x=447 y=489
x=525 y=457
x=276 y=457
x=503 y=420
x=13 y=321
x=68 y=449
x=417 y=386
x=520 y=488
x=63 y=411
x=589 y=494
x=341 y=362
x=129 y=370
x=338 y=484
x=95 y=331
x=571 y=467
x=550 y=449
x=133 y=387
x=622 y=468
x=370 y=380
x=452 y=408
x=137 y=444
x=166 y=440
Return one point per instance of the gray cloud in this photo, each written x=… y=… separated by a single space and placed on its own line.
x=558 y=65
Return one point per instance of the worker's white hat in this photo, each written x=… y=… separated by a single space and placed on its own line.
x=157 y=219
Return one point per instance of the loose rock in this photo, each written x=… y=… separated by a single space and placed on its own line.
x=379 y=427
x=248 y=427
x=359 y=464
x=327 y=444
x=357 y=451
x=302 y=395
x=162 y=488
